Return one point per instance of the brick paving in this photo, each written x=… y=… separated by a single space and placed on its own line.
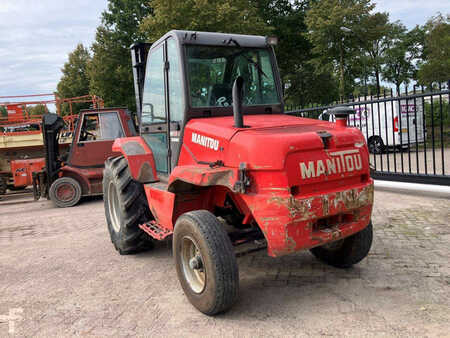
x=58 y=267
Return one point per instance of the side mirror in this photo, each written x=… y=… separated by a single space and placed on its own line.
x=150 y=110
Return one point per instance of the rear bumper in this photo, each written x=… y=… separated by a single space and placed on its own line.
x=292 y=223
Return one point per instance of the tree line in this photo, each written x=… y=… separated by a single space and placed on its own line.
x=328 y=49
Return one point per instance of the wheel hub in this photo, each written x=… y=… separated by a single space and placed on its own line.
x=192 y=265
x=196 y=263
x=65 y=192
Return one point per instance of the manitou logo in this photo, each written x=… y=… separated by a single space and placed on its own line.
x=340 y=162
x=205 y=141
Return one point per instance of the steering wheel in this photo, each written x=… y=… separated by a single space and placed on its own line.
x=85 y=133
x=222 y=102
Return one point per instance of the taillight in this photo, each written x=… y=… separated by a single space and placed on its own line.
x=396 y=123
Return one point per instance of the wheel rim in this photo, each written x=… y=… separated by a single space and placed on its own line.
x=113 y=205
x=65 y=192
x=192 y=265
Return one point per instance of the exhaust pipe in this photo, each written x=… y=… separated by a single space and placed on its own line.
x=238 y=96
x=341 y=114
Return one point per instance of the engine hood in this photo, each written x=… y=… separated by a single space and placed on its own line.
x=267 y=140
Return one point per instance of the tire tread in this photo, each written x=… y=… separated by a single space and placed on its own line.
x=133 y=206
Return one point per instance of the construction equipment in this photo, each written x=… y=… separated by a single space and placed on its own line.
x=222 y=170
x=65 y=179
x=21 y=140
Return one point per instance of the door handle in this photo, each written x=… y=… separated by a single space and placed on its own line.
x=80 y=144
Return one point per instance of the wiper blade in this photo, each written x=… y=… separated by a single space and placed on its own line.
x=241 y=53
x=258 y=67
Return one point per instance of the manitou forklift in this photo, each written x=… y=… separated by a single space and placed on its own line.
x=67 y=177
x=220 y=168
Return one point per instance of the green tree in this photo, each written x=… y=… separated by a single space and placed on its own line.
x=375 y=35
x=110 y=71
x=303 y=84
x=402 y=57
x=230 y=16
x=74 y=81
x=436 y=67
x=329 y=22
x=37 y=110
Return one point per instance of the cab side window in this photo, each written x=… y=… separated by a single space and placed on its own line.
x=153 y=105
x=176 y=91
x=90 y=129
x=110 y=127
x=96 y=127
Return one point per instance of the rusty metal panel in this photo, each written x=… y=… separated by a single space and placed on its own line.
x=291 y=223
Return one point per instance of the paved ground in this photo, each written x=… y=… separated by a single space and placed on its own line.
x=60 y=276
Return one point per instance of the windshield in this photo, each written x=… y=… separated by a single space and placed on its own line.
x=212 y=71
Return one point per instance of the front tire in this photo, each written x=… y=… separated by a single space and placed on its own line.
x=65 y=192
x=348 y=251
x=205 y=262
x=126 y=208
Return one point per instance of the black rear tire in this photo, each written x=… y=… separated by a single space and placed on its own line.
x=213 y=285
x=348 y=251
x=126 y=207
x=65 y=192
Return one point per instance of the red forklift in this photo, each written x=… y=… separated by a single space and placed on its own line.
x=68 y=177
x=219 y=166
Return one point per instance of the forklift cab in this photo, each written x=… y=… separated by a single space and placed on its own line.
x=187 y=75
x=94 y=135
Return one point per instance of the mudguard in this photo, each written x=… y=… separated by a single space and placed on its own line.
x=204 y=176
x=139 y=156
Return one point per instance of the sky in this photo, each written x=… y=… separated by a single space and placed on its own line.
x=37 y=35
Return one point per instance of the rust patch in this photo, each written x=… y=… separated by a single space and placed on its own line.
x=336 y=233
x=352 y=199
x=290 y=244
x=325 y=205
x=296 y=207
x=220 y=178
x=318 y=239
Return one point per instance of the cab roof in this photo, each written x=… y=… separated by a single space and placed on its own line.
x=215 y=39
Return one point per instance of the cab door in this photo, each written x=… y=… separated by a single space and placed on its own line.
x=94 y=139
x=163 y=105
